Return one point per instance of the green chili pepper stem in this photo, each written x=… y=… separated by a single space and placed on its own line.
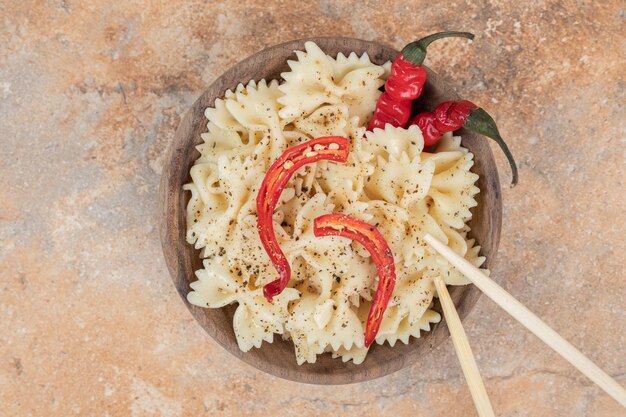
x=415 y=52
x=481 y=122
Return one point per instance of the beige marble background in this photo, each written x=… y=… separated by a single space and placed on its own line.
x=90 y=95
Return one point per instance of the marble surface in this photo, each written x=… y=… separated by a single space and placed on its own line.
x=90 y=96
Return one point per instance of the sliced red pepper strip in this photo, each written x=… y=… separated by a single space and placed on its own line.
x=368 y=236
x=329 y=148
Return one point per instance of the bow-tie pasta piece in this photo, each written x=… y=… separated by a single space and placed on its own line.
x=316 y=79
x=452 y=188
x=327 y=120
x=355 y=354
x=407 y=329
x=221 y=116
x=308 y=85
x=415 y=295
x=393 y=142
x=256 y=107
x=214 y=288
x=390 y=220
x=300 y=325
x=206 y=208
x=317 y=324
x=400 y=181
x=359 y=81
x=343 y=183
x=256 y=320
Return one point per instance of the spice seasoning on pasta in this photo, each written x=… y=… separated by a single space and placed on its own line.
x=453 y=115
x=389 y=180
x=368 y=236
x=406 y=82
x=269 y=194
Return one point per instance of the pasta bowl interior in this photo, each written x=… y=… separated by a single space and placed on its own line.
x=183 y=259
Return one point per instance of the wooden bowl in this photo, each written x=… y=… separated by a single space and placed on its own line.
x=182 y=259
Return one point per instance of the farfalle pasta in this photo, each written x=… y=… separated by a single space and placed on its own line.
x=389 y=180
x=316 y=80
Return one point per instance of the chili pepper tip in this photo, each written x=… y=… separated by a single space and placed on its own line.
x=481 y=122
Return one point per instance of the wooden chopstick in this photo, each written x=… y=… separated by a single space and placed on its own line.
x=533 y=323
x=464 y=352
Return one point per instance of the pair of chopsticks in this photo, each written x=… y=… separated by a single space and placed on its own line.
x=519 y=312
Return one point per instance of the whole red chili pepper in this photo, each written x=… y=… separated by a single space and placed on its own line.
x=368 y=236
x=426 y=122
x=330 y=148
x=453 y=115
x=405 y=83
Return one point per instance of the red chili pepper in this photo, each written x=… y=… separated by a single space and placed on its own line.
x=368 y=236
x=405 y=83
x=389 y=110
x=449 y=115
x=453 y=115
x=426 y=123
x=330 y=148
